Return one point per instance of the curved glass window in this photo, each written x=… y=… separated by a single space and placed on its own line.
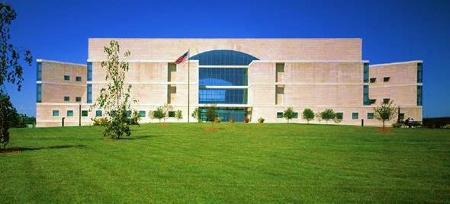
x=223 y=57
x=223 y=77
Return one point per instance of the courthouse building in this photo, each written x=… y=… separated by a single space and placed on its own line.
x=243 y=78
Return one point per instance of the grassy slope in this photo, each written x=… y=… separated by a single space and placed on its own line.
x=234 y=163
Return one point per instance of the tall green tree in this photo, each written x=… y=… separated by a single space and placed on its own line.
x=11 y=69
x=159 y=113
x=115 y=98
x=308 y=114
x=385 y=112
x=289 y=114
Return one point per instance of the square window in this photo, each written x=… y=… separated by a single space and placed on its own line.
x=84 y=113
x=142 y=114
x=78 y=99
x=386 y=100
x=373 y=80
x=295 y=115
x=354 y=116
x=66 y=78
x=339 y=116
x=279 y=114
x=98 y=113
x=370 y=115
x=386 y=79
x=401 y=116
x=171 y=114
x=55 y=112
x=66 y=98
x=78 y=78
x=372 y=101
x=70 y=113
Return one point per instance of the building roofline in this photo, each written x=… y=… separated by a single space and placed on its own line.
x=221 y=38
x=396 y=63
x=59 y=62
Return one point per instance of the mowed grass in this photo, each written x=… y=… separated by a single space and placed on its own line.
x=227 y=163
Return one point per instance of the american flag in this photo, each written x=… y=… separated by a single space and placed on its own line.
x=182 y=58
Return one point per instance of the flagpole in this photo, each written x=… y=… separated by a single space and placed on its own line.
x=188 y=113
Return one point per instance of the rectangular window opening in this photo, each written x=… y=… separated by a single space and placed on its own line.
x=355 y=116
x=66 y=78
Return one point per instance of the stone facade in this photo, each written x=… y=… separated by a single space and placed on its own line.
x=298 y=73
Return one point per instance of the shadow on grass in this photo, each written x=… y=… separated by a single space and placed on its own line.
x=138 y=137
x=22 y=149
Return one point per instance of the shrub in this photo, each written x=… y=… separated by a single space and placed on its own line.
x=217 y=120
x=398 y=125
x=179 y=115
x=100 y=121
x=328 y=114
x=134 y=119
x=308 y=114
x=446 y=126
x=211 y=114
x=261 y=120
x=385 y=112
x=289 y=113
x=159 y=113
x=196 y=114
x=246 y=120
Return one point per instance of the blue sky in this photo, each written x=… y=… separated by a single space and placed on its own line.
x=391 y=30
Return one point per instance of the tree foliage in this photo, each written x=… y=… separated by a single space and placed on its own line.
x=179 y=115
x=289 y=114
x=385 y=112
x=211 y=113
x=308 y=114
x=196 y=114
x=11 y=71
x=159 y=113
x=327 y=114
x=115 y=98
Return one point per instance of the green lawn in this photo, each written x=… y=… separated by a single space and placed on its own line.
x=233 y=163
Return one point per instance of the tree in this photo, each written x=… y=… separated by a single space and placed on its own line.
x=179 y=115
x=289 y=114
x=385 y=112
x=308 y=114
x=115 y=99
x=196 y=114
x=211 y=113
x=11 y=70
x=327 y=114
x=159 y=113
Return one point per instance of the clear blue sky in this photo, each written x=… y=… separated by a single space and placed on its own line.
x=391 y=30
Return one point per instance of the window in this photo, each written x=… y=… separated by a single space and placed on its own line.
x=66 y=78
x=142 y=114
x=419 y=95
x=89 y=93
x=98 y=113
x=128 y=114
x=386 y=79
x=419 y=73
x=172 y=69
x=39 y=72
x=78 y=78
x=366 y=73
x=70 y=113
x=89 y=71
x=366 y=100
x=279 y=72
x=78 y=99
x=401 y=116
x=373 y=80
x=386 y=100
x=370 y=116
x=354 y=116
x=339 y=116
x=55 y=113
x=373 y=101
x=171 y=114
x=84 y=113
x=295 y=115
x=279 y=114
x=66 y=98
x=222 y=96
x=38 y=93
x=223 y=76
